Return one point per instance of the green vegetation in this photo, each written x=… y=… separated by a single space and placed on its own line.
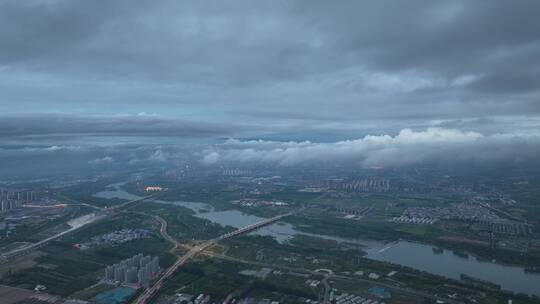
x=376 y=229
x=216 y=278
x=219 y=279
x=85 y=193
x=182 y=224
x=37 y=229
x=302 y=252
x=115 y=222
x=364 y=229
x=308 y=253
x=65 y=269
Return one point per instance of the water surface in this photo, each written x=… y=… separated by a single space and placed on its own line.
x=447 y=264
x=414 y=255
x=114 y=191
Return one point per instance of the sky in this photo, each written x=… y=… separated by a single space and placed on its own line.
x=285 y=72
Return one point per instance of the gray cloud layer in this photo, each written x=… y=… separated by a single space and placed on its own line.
x=443 y=146
x=128 y=125
x=355 y=66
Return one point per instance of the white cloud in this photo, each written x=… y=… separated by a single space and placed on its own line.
x=210 y=158
x=158 y=156
x=464 y=80
x=103 y=160
x=407 y=147
x=51 y=149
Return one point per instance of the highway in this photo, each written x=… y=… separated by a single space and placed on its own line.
x=166 y=236
x=192 y=251
x=116 y=207
x=75 y=224
x=77 y=203
x=150 y=292
x=327 y=289
x=253 y=226
x=82 y=221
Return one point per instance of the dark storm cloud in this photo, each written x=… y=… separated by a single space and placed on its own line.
x=127 y=125
x=287 y=66
x=450 y=36
x=509 y=83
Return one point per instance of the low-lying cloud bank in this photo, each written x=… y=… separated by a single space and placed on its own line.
x=407 y=147
x=20 y=161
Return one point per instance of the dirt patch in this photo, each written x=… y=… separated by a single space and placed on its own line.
x=17 y=264
x=11 y=295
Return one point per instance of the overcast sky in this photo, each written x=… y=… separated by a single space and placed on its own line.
x=295 y=70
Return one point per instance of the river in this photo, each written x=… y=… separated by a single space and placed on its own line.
x=280 y=231
x=414 y=255
x=447 y=264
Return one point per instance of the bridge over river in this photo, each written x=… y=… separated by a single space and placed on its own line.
x=151 y=291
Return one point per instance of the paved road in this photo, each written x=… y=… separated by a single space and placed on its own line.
x=116 y=207
x=327 y=289
x=166 y=236
x=150 y=292
x=84 y=220
x=192 y=251
x=76 y=202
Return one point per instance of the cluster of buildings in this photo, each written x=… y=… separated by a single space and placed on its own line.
x=236 y=172
x=249 y=202
x=138 y=269
x=15 y=199
x=462 y=212
x=346 y=298
x=115 y=238
x=507 y=227
x=414 y=220
x=153 y=188
x=266 y=301
x=353 y=213
x=363 y=185
x=468 y=212
x=183 y=298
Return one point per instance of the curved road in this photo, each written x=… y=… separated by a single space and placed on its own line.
x=149 y=293
x=201 y=249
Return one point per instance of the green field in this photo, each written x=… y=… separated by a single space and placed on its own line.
x=65 y=270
